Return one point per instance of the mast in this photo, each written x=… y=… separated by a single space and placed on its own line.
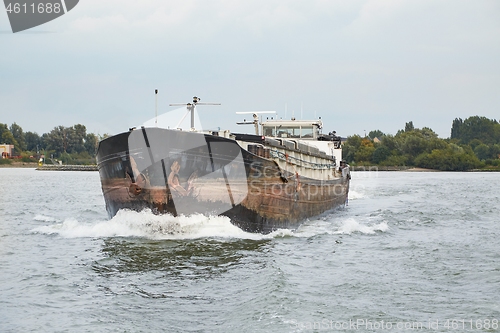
x=191 y=107
x=156 y=107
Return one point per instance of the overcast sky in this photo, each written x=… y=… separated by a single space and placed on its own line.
x=359 y=64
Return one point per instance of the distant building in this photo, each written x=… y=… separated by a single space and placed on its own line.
x=6 y=150
x=376 y=140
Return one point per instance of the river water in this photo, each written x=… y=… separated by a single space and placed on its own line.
x=411 y=251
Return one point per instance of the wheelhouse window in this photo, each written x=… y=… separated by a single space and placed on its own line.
x=288 y=132
x=307 y=132
x=269 y=130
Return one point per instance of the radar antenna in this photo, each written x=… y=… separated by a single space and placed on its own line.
x=191 y=107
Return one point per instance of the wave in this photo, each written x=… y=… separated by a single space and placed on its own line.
x=145 y=224
x=43 y=218
x=336 y=225
x=350 y=226
x=353 y=195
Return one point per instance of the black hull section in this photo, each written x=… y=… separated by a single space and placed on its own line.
x=185 y=173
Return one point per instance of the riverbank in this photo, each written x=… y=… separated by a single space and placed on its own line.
x=391 y=168
x=412 y=169
x=17 y=164
x=48 y=167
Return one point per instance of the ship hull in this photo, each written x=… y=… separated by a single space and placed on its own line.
x=184 y=173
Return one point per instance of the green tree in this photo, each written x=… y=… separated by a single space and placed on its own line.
x=18 y=134
x=413 y=145
x=391 y=143
x=57 y=140
x=483 y=152
x=474 y=143
x=422 y=147
x=76 y=138
x=33 y=142
x=409 y=127
x=376 y=134
x=365 y=151
x=456 y=127
x=380 y=154
x=476 y=127
x=3 y=128
x=8 y=138
x=396 y=160
x=364 y=154
x=427 y=133
x=495 y=151
x=91 y=142
x=349 y=148
x=449 y=159
x=436 y=143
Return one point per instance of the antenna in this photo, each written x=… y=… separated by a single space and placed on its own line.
x=255 y=121
x=156 y=107
x=191 y=107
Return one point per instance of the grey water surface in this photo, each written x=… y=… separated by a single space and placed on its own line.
x=411 y=251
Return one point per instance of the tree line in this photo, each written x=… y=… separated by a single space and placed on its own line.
x=474 y=144
x=70 y=144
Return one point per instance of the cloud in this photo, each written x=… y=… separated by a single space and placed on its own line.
x=195 y=16
x=376 y=63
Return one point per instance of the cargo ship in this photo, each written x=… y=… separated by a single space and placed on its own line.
x=283 y=173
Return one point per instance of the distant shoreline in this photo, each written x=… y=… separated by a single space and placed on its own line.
x=67 y=167
x=16 y=164
x=49 y=167
x=390 y=168
x=410 y=169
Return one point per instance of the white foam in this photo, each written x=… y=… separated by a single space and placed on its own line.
x=353 y=195
x=148 y=225
x=350 y=226
x=145 y=224
x=43 y=218
x=313 y=228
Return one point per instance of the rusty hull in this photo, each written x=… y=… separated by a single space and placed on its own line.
x=252 y=191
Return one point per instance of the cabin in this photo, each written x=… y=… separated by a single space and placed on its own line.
x=6 y=150
x=293 y=129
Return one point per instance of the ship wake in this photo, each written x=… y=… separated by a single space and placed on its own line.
x=145 y=224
